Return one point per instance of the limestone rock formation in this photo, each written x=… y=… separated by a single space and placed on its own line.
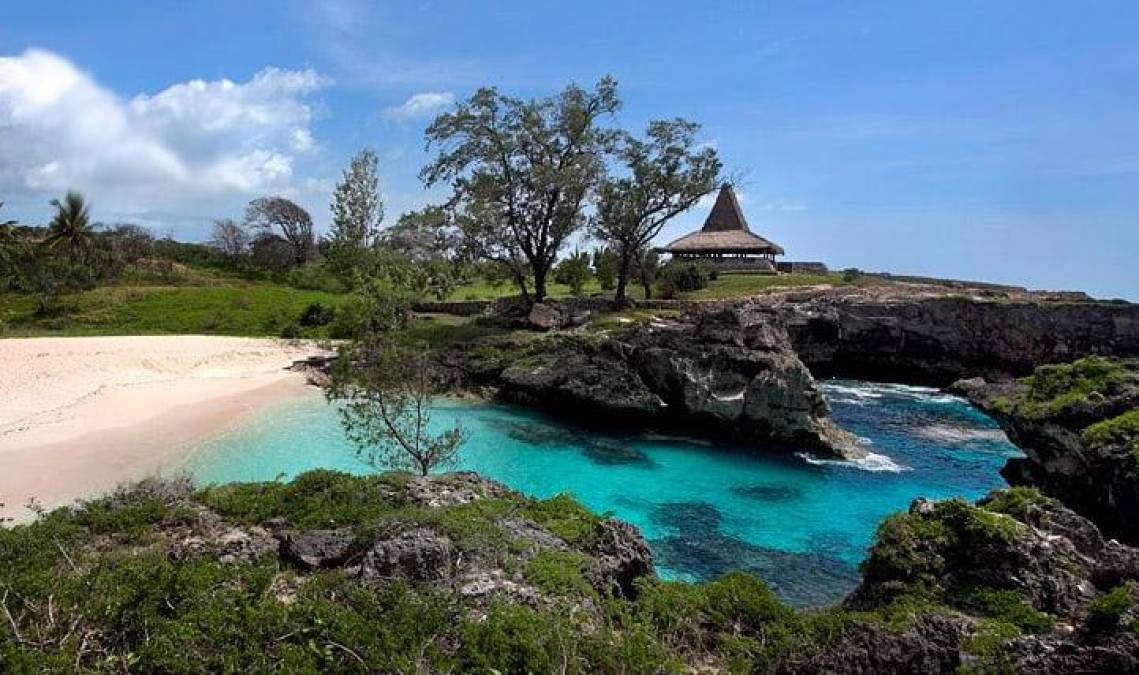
x=935 y=338
x=728 y=374
x=1017 y=580
x=1078 y=425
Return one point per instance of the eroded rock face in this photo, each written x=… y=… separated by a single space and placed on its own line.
x=620 y=557
x=1016 y=557
x=728 y=374
x=418 y=554
x=936 y=338
x=318 y=548
x=1052 y=416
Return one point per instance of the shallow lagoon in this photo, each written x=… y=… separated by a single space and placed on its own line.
x=801 y=524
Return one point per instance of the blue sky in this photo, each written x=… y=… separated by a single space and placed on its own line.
x=990 y=140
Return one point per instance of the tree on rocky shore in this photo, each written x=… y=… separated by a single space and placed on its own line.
x=521 y=171
x=666 y=173
x=385 y=390
x=294 y=223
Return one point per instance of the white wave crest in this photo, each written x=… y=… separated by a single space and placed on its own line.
x=871 y=462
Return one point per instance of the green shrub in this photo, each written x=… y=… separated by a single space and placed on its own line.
x=317 y=314
x=1005 y=605
x=682 y=277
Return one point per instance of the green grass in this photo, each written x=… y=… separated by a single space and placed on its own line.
x=1122 y=429
x=243 y=309
x=1052 y=389
x=727 y=286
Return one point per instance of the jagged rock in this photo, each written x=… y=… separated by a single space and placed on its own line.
x=495 y=584
x=532 y=535
x=929 y=644
x=462 y=487
x=1048 y=415
x=935 y=336
x=729 y=374
x=620 y=557
x=953 y=545
x=318 y=548
x=545 y=316
x=419 y=554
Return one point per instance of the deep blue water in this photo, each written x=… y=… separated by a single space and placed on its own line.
x=800 y=524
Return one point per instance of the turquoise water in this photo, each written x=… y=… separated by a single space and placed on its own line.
x=800 y=524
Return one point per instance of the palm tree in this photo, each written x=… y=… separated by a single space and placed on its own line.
x=71 y=227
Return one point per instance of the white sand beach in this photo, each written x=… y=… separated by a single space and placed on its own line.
x=78 y=416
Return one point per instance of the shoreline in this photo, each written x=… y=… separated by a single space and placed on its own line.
x=80 y=416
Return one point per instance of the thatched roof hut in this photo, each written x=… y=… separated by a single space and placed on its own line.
x=725 y=233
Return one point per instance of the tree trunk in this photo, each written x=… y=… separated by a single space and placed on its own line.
x=540 y=283
x=520 y=282
x=623 y=267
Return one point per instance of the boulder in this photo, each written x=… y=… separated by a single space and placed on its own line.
x=318 y=548
x=418 y=554
x=544 y=316
x=620 y=556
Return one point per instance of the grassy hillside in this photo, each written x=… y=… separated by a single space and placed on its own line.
x=249 y=309
x=202 y=301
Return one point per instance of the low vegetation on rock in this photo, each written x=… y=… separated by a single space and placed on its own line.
x=1078 y=424
x=398 y=573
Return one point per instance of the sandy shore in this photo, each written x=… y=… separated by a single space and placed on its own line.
x=78 y=416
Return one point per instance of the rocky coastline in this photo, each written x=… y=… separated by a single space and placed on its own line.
x=728 y=374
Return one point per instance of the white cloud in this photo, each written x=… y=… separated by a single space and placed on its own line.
x=423 y=104
x=60 y=129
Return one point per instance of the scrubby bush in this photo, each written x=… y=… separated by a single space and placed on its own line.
x=574 y=272
x=682 y=277
x=317 y=314
x=851 y=274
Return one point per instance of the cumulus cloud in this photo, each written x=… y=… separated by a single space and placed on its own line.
x=61 y=129
x=423 y=104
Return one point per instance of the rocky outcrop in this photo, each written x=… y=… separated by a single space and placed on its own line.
x=1078 y=425
x=1016 y=581
x=934 y=338
x=727 y=374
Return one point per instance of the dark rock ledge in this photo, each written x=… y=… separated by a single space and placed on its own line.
x=727 y=375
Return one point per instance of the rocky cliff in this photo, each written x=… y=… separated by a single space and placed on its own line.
x=1078 y=425
x=934 y=337
x=727 y=374
x=1014 y=583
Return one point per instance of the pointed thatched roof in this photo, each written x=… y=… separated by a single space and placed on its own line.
x=725 y=231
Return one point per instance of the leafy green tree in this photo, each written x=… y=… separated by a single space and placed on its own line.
x=605 y=268
x=357 y=211
x=295 y=224
x=70 y=229
x=574 y=272
x=665 y=174
x=521 y=171
x=9 y=254
x=230 y=238
x=646 y=269
x=384 y=390
x=426 y=234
